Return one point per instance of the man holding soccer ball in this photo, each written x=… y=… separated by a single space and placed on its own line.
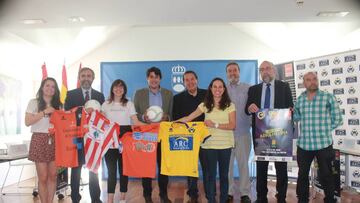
x=154 y=95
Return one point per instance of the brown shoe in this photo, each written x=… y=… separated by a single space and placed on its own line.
x=148 y=200
x=245 y=199
x=193 y=200
x=230 y=199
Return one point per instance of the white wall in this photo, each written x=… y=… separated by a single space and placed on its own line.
x=22 y=59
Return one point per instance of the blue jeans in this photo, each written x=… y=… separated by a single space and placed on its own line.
x=213 y=158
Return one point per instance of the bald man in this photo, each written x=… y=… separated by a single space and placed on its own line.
x=319 y=114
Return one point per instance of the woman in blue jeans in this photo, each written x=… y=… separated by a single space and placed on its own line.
x=220 y=118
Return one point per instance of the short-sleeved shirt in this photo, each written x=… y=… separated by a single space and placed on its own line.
x=42 y=125
x=180 y=144
x=139 y=151
x=220 y=139
x=116 y=112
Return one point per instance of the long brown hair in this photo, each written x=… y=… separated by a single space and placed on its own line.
x=209 y=102
x=123 y=99
x=55 y=100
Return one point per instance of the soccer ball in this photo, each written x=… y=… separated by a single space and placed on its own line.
x=154 y=113
x=93 y=104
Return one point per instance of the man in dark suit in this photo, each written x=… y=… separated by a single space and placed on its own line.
x=272 y=94
x=144 y=98
x=74 y=98
x=184 y=104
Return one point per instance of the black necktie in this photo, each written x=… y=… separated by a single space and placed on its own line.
x=267 y=96
x=87 y=96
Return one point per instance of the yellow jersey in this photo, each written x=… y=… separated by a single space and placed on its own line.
x=180 y=145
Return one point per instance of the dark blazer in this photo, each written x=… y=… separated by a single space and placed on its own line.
x=141 y=101
x=282 y=97
x=75 y=98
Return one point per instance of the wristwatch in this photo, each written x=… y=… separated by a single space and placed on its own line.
x=216 y=125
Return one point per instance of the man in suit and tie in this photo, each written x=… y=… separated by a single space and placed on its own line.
x=154 y=95
x=74 y=98
x=270 y=94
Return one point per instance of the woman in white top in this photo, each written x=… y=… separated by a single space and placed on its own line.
x=42 y=147
x=122 y=111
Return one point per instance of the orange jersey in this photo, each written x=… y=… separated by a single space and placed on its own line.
x=67 y=126
x=139 y=151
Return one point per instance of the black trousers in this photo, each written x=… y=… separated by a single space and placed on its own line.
x=324 y=158
x=113 y=160
x=94 y=187
x=261 y=180
x=163 y=180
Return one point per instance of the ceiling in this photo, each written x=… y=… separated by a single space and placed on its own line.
x=170 y=12
x=105 y=19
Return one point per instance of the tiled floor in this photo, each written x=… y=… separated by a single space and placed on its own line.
x=177 y=193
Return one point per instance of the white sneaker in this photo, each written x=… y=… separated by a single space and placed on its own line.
x=122 y=201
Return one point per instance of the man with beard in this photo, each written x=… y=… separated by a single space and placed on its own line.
x=74 y=98
x=270 y=94
x=238 y=93
x=319 y=114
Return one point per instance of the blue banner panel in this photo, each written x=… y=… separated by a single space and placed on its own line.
x=134 y=73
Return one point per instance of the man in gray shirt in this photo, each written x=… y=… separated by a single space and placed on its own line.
x=238 y=93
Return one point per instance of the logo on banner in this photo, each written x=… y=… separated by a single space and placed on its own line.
x=354 y=132
x=177 y=82
x=324 y=73
x=312 y=64
x=338 y=91
x=340 y=132
x=354 y=163
x=301 y=76
x=351 y=90
x=350 y=69
x=324 y=62
x=356 y=174
x=336 y=60
x=336 y=71
x=340 y=142
x=353 y=100
x=351 y=79
x=337 y=81
x=300 y=67
x=355 y=184
x=339 y=101
x=324 y=82
x=350 y=58
x=353 y=122
x=353 y=111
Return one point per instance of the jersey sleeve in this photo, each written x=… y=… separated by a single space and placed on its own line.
x=162 y=130
x=204 y=132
